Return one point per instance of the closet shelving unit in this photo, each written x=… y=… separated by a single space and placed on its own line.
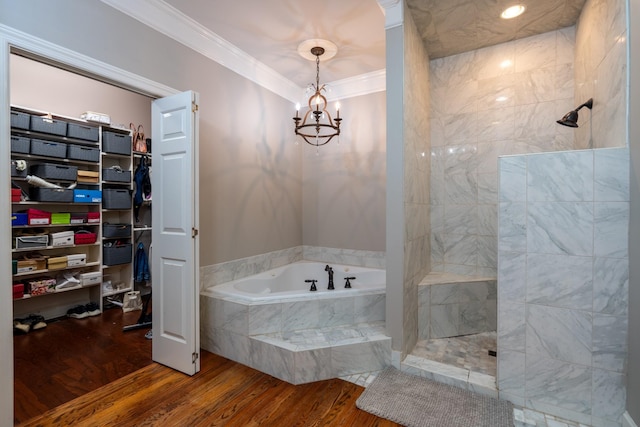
x=117 y=227
x=55 y=146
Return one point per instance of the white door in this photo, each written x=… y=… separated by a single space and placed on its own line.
x=174 y=263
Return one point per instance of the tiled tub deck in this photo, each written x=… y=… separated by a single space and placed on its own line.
x=299 y=341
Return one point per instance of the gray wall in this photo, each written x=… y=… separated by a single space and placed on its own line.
x=344 y=190
x=47 y=88
x=250 y=181
x=633 y=364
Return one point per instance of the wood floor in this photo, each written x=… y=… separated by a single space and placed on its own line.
x=72 y=357
x=222 y=393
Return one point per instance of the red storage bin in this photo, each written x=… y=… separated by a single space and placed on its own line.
x=84 y=237
x=93 y=217
x=18 y=290
x=38 y=217
x=15 y=194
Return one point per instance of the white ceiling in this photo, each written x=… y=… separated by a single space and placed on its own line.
x=270 y=31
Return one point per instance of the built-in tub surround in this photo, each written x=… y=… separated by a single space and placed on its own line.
x=292 y=282
x=299 y=336
x=452 y=305
x=224 y=272
x=563 y=283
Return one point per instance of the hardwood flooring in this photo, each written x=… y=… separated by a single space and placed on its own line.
x=223 y=393
x=72 y=357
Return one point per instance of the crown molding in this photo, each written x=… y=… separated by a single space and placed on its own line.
x=169 y=21
x=362 y=84
x=393 y=12
x=45 y=50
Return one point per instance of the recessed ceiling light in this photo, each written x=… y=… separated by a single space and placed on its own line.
x=512 y=12
x=506 y=63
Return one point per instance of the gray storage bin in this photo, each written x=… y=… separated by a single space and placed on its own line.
x=55 y=172
x=116 y=175
x=80 y=152
x=116 y=143
x=20 y=120
x=41 y=147
x=116 y=230
x=20 y=144
x=120 y=254
x=50 y=126
x=39 y=194
x=15 y=173
x=86 y=132
x=116 y=198
x=38 y=241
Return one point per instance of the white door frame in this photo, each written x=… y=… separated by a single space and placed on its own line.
x=12 y=39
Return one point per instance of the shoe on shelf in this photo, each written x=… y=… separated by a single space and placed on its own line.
x=21 y=327
x=36 y=322
x=78 y=312
x=92 y=309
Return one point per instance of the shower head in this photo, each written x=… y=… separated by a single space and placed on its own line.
x=571 y=118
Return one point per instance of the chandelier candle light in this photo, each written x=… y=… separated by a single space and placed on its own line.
x=317 y=127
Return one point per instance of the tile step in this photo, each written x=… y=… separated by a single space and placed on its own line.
x=452 y=375
x=304 y=356
x=310 y=339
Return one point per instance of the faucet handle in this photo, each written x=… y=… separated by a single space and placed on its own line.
x=313 y=284
x=347 y=283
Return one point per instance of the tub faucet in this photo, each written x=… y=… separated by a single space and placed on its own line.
x=348 y=282
x=313 y=284
x=330 y=270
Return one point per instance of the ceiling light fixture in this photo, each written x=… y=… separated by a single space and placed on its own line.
x=571 y=118
x=512 y=12
x=317 y=127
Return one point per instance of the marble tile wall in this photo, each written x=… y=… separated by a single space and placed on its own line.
x=456 y=308
x=489 y=102
x=416 y=177
x=600 y=73
x=216 y=274
x=563 y=283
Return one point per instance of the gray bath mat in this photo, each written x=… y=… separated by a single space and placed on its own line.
x=418 y=402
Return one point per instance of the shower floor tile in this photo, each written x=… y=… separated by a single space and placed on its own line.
x=469 y=352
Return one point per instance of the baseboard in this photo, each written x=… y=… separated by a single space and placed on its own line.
x=627 y=421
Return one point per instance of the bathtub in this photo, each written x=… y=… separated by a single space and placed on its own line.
x=272 y=322
x=287 y=283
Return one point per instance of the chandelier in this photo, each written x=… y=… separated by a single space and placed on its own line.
x=317 y=127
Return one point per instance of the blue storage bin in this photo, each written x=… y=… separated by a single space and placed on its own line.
x=87 y=196
x=18 y=219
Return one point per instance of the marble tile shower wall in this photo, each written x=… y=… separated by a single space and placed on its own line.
x=600 y=73
x=494 y=101
x=416 y=177
x=563 y=283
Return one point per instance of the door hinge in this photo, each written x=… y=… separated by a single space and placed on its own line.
x=194 y=357
x=194 y=107
x=194 y=232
